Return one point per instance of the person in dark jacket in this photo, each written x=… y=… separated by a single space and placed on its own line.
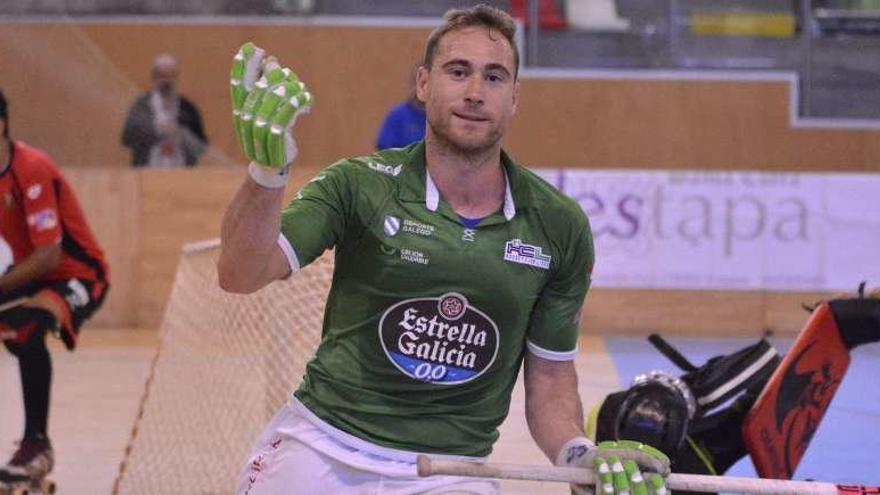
x=163 y=128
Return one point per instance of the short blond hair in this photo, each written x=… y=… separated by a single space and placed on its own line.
x=480 y=16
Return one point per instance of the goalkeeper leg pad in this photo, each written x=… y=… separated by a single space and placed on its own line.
x=779 y=427
x=22 y=325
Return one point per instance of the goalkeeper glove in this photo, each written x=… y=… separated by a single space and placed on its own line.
x=266 y=100
x=618 y=467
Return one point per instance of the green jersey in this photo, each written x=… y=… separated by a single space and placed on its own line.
x=427 y=320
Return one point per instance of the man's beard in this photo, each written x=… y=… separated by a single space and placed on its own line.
x=444 y=138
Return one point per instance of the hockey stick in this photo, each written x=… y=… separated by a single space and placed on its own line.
x=687 y=482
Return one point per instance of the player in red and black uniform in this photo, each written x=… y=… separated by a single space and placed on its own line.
x=56 y=280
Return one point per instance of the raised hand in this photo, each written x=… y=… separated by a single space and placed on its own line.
x=266 y=100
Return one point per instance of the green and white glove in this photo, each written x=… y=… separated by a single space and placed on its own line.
x=266 y=100
x=619 y=467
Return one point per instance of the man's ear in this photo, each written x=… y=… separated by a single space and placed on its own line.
x=422 y=84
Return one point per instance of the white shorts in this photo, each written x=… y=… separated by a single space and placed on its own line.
x=299 y=453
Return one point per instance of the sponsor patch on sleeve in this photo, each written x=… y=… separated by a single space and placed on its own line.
x=43 y=220
x=517 y=251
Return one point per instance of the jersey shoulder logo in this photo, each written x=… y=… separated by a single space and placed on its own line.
x=516 y=251
x=441 y=340
x=392 y=170
x=34 y=191
x=391 y=226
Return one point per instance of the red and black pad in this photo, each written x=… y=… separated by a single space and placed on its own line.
x=19 y=324
x=779 y=427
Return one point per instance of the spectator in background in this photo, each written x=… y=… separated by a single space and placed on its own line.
x=56 y=279
x=405 y=123
x=163 y=128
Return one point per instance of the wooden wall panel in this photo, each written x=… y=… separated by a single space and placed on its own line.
x=64 y=95
x=177 y=207
x=697 y=313
x=677 y=125
x=111 y=201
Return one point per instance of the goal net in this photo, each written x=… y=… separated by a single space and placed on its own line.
x=224 y=364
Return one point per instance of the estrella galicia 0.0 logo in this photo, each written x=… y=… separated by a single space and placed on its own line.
x=440 y=340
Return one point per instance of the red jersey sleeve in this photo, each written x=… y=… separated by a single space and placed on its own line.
x=40 y=203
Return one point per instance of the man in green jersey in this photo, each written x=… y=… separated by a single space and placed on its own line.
x=453 y=267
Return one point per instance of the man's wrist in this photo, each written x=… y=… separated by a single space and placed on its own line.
x=573 y=450
x=269 y=177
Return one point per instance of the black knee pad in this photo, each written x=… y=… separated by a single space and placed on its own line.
x=24 y=327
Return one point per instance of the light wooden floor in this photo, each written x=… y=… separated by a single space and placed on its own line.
x=97 y=389
x=95 y=394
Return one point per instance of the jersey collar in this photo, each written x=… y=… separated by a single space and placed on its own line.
x=419 y=186
x=432 y=196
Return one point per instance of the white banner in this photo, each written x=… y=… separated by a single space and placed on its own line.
x=729 y=230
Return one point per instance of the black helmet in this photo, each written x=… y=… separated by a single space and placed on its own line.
x=656 y=411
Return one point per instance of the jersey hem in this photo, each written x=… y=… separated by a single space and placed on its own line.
x=363 y=445
x=551 y=355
